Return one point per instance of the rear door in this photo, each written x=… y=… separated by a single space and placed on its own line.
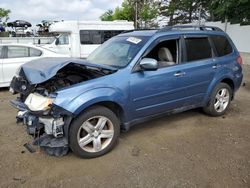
x=14 y=57
x=199 y=67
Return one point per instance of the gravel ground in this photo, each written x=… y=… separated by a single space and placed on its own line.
x=188 y=149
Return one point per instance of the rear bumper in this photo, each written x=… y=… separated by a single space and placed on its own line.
x=238 y=81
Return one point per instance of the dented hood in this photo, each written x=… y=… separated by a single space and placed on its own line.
x=41 y=70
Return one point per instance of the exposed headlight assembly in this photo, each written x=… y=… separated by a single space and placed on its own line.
x=37 y=102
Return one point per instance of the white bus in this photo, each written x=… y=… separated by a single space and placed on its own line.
x=80 y=38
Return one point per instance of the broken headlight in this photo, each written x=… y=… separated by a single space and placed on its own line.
x=37 y=102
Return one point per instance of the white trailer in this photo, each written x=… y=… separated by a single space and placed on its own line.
x=80 y=38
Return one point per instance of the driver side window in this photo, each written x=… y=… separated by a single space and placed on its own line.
x=166 y=53
x=63 y=39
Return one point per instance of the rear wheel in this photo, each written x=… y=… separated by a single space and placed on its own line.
x=94 y=133
x=220 y=100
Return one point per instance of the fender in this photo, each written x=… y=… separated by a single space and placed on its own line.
x=220 y=75
x=90 y=97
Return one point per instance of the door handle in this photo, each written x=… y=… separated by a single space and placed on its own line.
x=216 y=66
x=177 y=74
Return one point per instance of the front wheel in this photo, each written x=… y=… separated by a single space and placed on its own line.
x=94 y=133
x=220 y=100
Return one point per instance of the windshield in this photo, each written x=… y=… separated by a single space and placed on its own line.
x=118 y=51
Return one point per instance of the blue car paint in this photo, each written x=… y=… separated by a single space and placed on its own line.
x=40 y=70
x=145 y=93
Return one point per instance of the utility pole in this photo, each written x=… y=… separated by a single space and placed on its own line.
x=199 y=14
x=136 y=14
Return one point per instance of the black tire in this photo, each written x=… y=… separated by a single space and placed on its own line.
x=86 y=115
x=210 y=109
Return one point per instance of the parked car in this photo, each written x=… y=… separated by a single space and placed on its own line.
x=19 y=23
x=22 y=31
x=13 y=55
x=133 y=77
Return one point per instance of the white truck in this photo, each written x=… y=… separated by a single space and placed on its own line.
x=79 y=38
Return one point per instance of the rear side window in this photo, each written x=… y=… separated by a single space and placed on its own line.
x=97 y=36
x=17 y=51
x=222 y=46
x=34 y=52
x=198 y=49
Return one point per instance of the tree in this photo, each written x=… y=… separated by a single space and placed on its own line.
x=148 y=12
x=125 y=12
x=133 y=10
x=235 y=11
x=107 y=16
x=184 y=11
x=4 y=14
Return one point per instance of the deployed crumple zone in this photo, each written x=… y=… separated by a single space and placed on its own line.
x=37 y=82
x=51 y=74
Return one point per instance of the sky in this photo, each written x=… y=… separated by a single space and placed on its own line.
x=35 y=11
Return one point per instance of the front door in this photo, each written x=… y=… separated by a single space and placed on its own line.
x=63 y=44
x=158 y=91
x=154 y=92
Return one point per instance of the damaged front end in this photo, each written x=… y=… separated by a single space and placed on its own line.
x=48 y=124
x=37 y=83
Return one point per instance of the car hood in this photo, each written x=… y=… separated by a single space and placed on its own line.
x=41 y=70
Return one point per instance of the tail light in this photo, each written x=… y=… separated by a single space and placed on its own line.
x=239 y=60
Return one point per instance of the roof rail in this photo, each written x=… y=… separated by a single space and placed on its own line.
x=127 y=31
x=194 y=27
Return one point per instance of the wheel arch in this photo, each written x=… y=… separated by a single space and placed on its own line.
x=226 y=79
x=229 y=82
x=115 y=107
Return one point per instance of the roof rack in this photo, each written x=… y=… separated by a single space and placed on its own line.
x=127 y=31
x=194 y=27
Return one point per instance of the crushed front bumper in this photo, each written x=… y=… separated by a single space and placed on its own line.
x=49 y=129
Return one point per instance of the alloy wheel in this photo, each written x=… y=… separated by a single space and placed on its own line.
x=221 y=100
x=95 y=134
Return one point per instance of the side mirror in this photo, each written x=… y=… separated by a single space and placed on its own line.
x=57 y=41
x=149 y=64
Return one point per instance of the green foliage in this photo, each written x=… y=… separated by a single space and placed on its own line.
x=184 y=11
x=107 y=16
x=148 y=12
x=236 y=11
x=125 y=12
x=4 y=13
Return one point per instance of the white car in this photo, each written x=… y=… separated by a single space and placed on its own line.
x=14 y=55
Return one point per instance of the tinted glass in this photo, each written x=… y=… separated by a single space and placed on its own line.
x=34 y=52
x=222 y=45
x=17 y=51
x=97 y=36
x=118 y=51
x=198 y=48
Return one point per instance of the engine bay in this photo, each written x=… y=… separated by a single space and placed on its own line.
x=69 y=75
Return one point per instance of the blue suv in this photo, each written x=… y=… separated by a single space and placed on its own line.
x=133 y=77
